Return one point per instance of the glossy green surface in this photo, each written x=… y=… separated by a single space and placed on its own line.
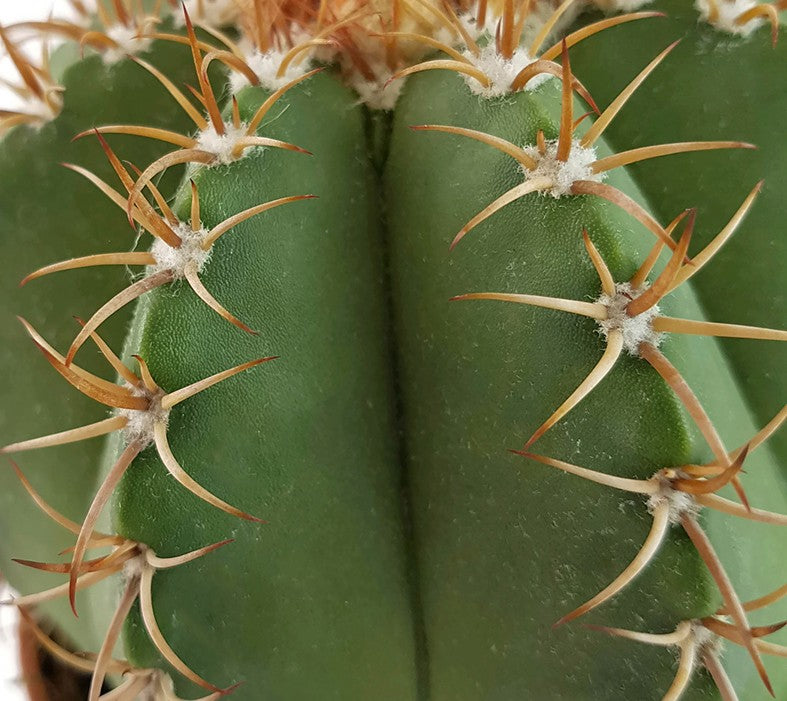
x=712 y=86
x=48 y=213
x=506 y=546
x=316 y=604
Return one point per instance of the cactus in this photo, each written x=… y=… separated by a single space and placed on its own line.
x=732 y=110
x=435 y=322
x=41 y=199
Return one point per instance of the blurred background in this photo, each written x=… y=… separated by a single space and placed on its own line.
x=13 y=11
x=11 y=688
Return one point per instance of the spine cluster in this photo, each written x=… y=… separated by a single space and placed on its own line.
x=497 y=51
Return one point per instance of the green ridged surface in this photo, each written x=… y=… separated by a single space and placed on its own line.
x=48 y=213
x=712 y=86
x=506 y=546
x=406 y=557
x=317 y=603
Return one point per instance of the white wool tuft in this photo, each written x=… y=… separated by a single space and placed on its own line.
x=139 y=427
x=221 y=145
x=211 y=13
x=541 y=13
x=729 y=11
x=141 y=423
x=704 y=637
x=636 y=329
x=563 y=173
x=128 y=41
x=470 y=25
x=152 y=692
x=160 y=681
x=176 y=259
x=266 y=66
x=707 y=641
x=134 y=567
x=500 y=71
x=377 y=95
x=538 y=15
x=680 y=503
x=621 y=5
x=321 y=53
x=446 y=36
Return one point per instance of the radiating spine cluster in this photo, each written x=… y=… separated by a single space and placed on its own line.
x=283 y=47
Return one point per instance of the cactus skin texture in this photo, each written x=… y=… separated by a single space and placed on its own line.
x=495 y=368
x=306 y=446
x=376 y=400
x=719 y=86
x=42 y=202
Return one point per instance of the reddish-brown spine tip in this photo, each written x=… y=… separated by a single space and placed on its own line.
x=230 y=689
x=254 y=363
x=72 y=592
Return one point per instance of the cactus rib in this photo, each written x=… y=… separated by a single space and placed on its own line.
x=404 y=558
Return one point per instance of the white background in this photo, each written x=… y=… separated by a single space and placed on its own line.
x=10 y=689
x=16 y=11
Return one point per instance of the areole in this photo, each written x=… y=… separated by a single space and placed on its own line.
x=412 y=548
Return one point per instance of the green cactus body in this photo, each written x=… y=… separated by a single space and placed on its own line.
x=419 y=543
x=717 y=86
x=47 y=212
x=478 y=379
x=308 y=441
